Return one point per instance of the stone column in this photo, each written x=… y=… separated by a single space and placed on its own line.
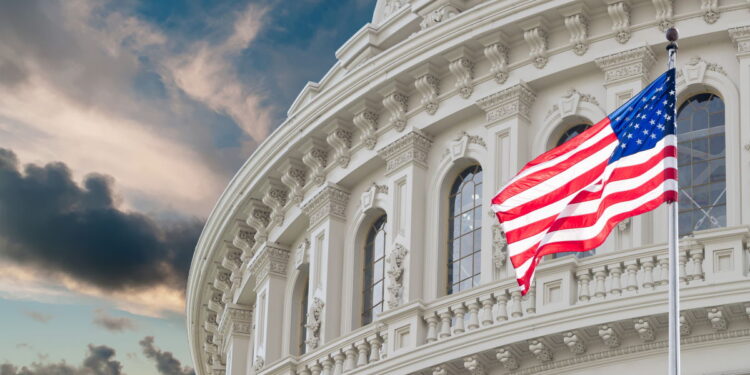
x=406 y=171
x=741 y=38
x=235 y=326
x=625 y=74
x=507 y=124
x=326 y=211
x=269 y=270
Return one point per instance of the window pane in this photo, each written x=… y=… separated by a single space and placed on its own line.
x=377 y=293
x=465 y=218
x=378 y=270
x=467 y=245
x=466 y=268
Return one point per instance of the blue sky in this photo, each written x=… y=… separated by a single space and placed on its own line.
x=120 y=124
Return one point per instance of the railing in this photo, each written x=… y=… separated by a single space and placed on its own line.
x=561 y=284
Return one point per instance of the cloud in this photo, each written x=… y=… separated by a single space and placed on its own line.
x=113 y=323
x=37 y=316
x=99 y=361
x=206 y=73
x=166 y=363
x=53 y=224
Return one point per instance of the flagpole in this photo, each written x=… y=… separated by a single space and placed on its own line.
x=674 y=289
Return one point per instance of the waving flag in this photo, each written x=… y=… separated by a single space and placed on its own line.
x=570 y=198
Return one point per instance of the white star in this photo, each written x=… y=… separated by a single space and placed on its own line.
x=653 y=97
x=671 y=92
x=630 y=136
x=622 y=145
x=644 y=99
x=659 y=88
x=653 y=122
x=645 y=131
x=665 y=102
x=636 y=126
x=638 y=141
x=658 y=112
x=653 y=135
x=668 y=117
x=617 y=118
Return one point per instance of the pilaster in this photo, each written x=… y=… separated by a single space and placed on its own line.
x=741 y=38
x=406 y=172
x=625 y=74
x=269 y=268
x=235 y=326
x=327 y=214
x=507 y=123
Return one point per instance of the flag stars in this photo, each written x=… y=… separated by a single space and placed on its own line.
x=658 y=112
x=638 y=141
x=652 y=122
x=653 y=136
x=671 y=92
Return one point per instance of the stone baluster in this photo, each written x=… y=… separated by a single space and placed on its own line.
x=516 y=308
x=445 y=326
x=327 y=364
x=432 y=323
x=350 y=363
x=487 y=302
x=338 y=363
x=663 y=261
x=683 y=267
x=600 y=274
x=531 y=299
x=375 y=343
x=631 y=266
x=459 y=311
x=303 y=370
x=615 y=273
x=584 y=278
x=316 y=369
x=362 y=348
x=648 y=272
x=696 y=256
x=473 y=315
x=502 y=306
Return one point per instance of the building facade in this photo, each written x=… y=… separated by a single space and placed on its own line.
x=358 y=238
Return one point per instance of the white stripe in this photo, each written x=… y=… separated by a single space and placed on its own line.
x=521 y=270
x=585 y=233
x=553 y=208
x=561 y=179
x=604 y=132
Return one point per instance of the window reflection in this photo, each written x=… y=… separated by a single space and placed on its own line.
x=465 y=228
x=374 y=271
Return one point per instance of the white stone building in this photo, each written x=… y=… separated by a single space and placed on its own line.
x=358 y=238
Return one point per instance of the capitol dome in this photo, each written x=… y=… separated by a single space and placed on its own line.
x=358 y=238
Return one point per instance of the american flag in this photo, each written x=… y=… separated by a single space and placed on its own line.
x=570 y=198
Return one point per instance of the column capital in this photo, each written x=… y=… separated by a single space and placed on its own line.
x=270 y=260
x=235 y=319
x=741 y=39
x=411 y=148
x=626 y=65
x=513 y=101
x=331 y=201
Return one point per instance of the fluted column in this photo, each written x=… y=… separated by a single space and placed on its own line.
x=507 y=123
x=326 y=211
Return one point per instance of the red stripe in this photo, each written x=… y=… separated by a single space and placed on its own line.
x=543 y=175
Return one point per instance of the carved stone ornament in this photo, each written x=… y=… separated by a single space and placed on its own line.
x=232 y=261
x=294 y=176
x=515 y=100
x=330 y=201
x=472 y=364
x=741 y=38
x=535 y=35
x=313 y=323
x=623 y=225
x=439 y=370
x=302 y=254
x=619 y=13
x=663 y=13
x=276 y=198
x=695 y=70
x=497 y=54
x=569 y=103
x=271 y=260
x=644 y=329
x=235 y=319
x=258 y=363
x=367 y=199
x=577 y=23
x=710 y=10
x=717 y=319
x=259 y=219
x=315 y=157
x=633 y=63
x=685 y=327
x=540 y=351
x=410 y=148
x=499 y=247
x=439 y=15
x=340 y=139
x=610 y=338
x=507 y=359
x=366 y=120
x=395 y=272
x=574 y=343
x=391 y=6
x=395 y=102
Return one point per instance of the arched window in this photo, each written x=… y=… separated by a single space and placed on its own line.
x=702 y=159
x=566 y=136
x=465 y=230
x=374 y=271
x=303 y=319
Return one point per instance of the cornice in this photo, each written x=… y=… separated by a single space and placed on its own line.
x=741 y=39
x=513 y=101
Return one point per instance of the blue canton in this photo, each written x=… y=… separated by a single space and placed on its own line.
x=646 y=118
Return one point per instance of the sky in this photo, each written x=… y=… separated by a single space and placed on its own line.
x=121 y=122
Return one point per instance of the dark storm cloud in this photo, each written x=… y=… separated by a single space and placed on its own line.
x=166 y=363
x=52 y=223
x=37 y=316
x=113 y=323
x=100 y=361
